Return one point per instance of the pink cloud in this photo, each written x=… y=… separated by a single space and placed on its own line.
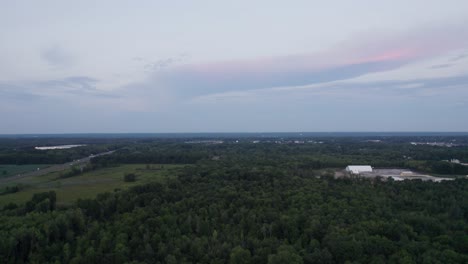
x=390 y=55
x=358 y=56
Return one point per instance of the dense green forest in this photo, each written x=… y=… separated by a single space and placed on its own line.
x=251 y=203
x=212 y=214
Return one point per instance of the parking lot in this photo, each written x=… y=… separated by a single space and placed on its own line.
x=401 y=174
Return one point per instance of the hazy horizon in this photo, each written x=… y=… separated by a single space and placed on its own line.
x=173 y=67
x=305 y=134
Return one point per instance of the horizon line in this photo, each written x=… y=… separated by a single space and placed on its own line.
x=241 y=132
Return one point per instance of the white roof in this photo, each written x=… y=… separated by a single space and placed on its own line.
x=359 y=168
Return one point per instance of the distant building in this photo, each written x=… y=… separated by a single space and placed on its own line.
x=406 y=173
x=374 y=140
x=358 y=169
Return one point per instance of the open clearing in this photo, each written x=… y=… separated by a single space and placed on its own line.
x=12 y=170
x=88 y=184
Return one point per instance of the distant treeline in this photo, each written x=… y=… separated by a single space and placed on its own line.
x=313 y=154
x=308 y=156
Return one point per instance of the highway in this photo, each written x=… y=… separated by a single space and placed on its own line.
x=53 y=168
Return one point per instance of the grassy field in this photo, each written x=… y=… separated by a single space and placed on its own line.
x=12 y=170
x=89 y=184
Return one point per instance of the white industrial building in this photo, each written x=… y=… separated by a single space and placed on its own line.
x=358 y=169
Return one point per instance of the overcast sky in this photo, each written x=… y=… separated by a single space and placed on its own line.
x=233 y=66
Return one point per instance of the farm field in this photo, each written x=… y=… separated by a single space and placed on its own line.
x=12 y=170
x=88 y=184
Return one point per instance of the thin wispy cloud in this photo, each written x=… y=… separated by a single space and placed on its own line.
x=459 y=57
x=16 y=93
x=161 y=64
x=439 y=66
x=56 y=57
x=56 y=88
x=448 y=87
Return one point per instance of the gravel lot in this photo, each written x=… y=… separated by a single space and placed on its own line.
x=401 y=174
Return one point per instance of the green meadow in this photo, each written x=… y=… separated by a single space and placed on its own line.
x=88 y=184
x=12 y=170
